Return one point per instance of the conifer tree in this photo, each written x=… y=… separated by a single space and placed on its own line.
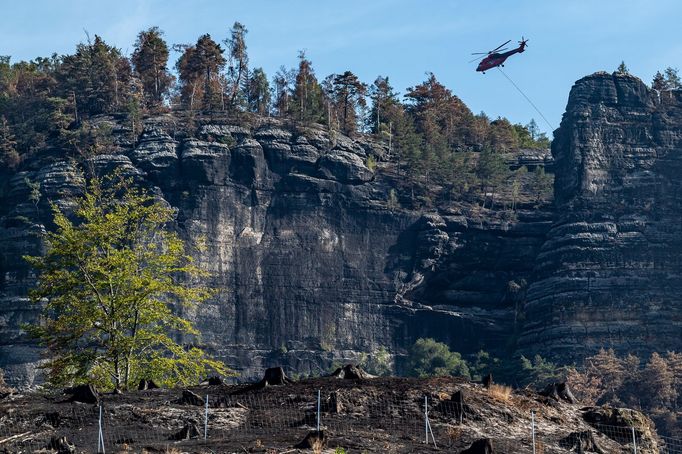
x=622 y=69
x=659 y=82
x=282 y=82
x=307 y=102
x=199 y=70
x=150 y=60
x=349 y=93
x=672 y=79
x=258 y=92
x=238 y=64
x=97 y=76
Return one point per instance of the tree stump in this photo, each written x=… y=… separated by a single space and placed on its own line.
x=188 y=432
x=61 y=445
x=350 y=372
x=86 y=394
x=274 y=376
x=559 y=392
x=147 y=384
x=190 y=398
x=488 y=380
x=581 y=442
x=482 y=446
x=315 y=440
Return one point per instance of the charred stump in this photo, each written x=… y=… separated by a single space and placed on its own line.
x=61 y=445
x=482 y=446
x=190 y=398
x=350 y=372
x=147 y=384
x=581 y=442
x=274 y=376
x=315 y=440
x=188 y=432
x=86 y=394
x=488 y=380
x=559 y=392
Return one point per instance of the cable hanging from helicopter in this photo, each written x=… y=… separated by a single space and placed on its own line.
x=496 y=58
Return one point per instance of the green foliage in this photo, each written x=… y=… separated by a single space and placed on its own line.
x=622 y=69
x=9 y=158
x=307 y=99
x=428 y=358
x=199 y=70
x=379 y=362
x=258 y=92
x=96 y=77
x=109 y=283
x=371 y=163
x=348 y=95
x=150 y=60
x=541 y=183
x=537 y=372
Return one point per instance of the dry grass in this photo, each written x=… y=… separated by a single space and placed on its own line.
x=454 y=433
x=500 y=392
x=539 y=447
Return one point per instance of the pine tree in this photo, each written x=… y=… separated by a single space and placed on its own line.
x=349 y=93
x=672 y=79
x=282 y=82
x=660 y=389
x=307 y=104
x=150 y=60
x=199 y=71
x=258 y=92
x=97 y=76
x=238 y=64
x=659 y=82
x=622 y=69
x=385 y=106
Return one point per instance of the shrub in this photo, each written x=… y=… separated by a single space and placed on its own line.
x=429 y=358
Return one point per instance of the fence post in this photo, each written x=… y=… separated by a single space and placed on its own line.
x=100 y=434
x=206 y=419
x=532 y=427
x=426 y=420
x=634 y=440
x=318 y=411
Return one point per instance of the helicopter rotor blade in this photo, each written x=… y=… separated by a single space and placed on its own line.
x=477 y=58
x=501 y=45
x=480 y=53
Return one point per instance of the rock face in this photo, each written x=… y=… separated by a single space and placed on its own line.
x=314 y=265
x=311 y=264
x=609 y=273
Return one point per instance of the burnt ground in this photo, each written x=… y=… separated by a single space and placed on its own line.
x=372 y=415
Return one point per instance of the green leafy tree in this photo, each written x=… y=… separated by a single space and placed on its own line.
x=150 y=60
x=428 y=358
x=109 y=280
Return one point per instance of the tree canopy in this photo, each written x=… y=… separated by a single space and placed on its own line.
x=110 y=285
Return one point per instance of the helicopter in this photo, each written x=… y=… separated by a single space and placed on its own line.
x=497 y=56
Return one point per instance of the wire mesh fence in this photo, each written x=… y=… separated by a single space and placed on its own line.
x=416 y=422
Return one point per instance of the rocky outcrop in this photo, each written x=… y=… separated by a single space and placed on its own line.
x=609 y=273
x=312 y=264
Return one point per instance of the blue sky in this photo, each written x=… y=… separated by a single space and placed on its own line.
x=401 y=39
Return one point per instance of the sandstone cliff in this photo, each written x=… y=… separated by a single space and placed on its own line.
x=314 y=265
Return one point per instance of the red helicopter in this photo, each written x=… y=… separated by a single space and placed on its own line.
x=497 y=56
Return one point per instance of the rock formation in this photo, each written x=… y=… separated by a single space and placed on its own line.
x=608 y=274
x=315 y=266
